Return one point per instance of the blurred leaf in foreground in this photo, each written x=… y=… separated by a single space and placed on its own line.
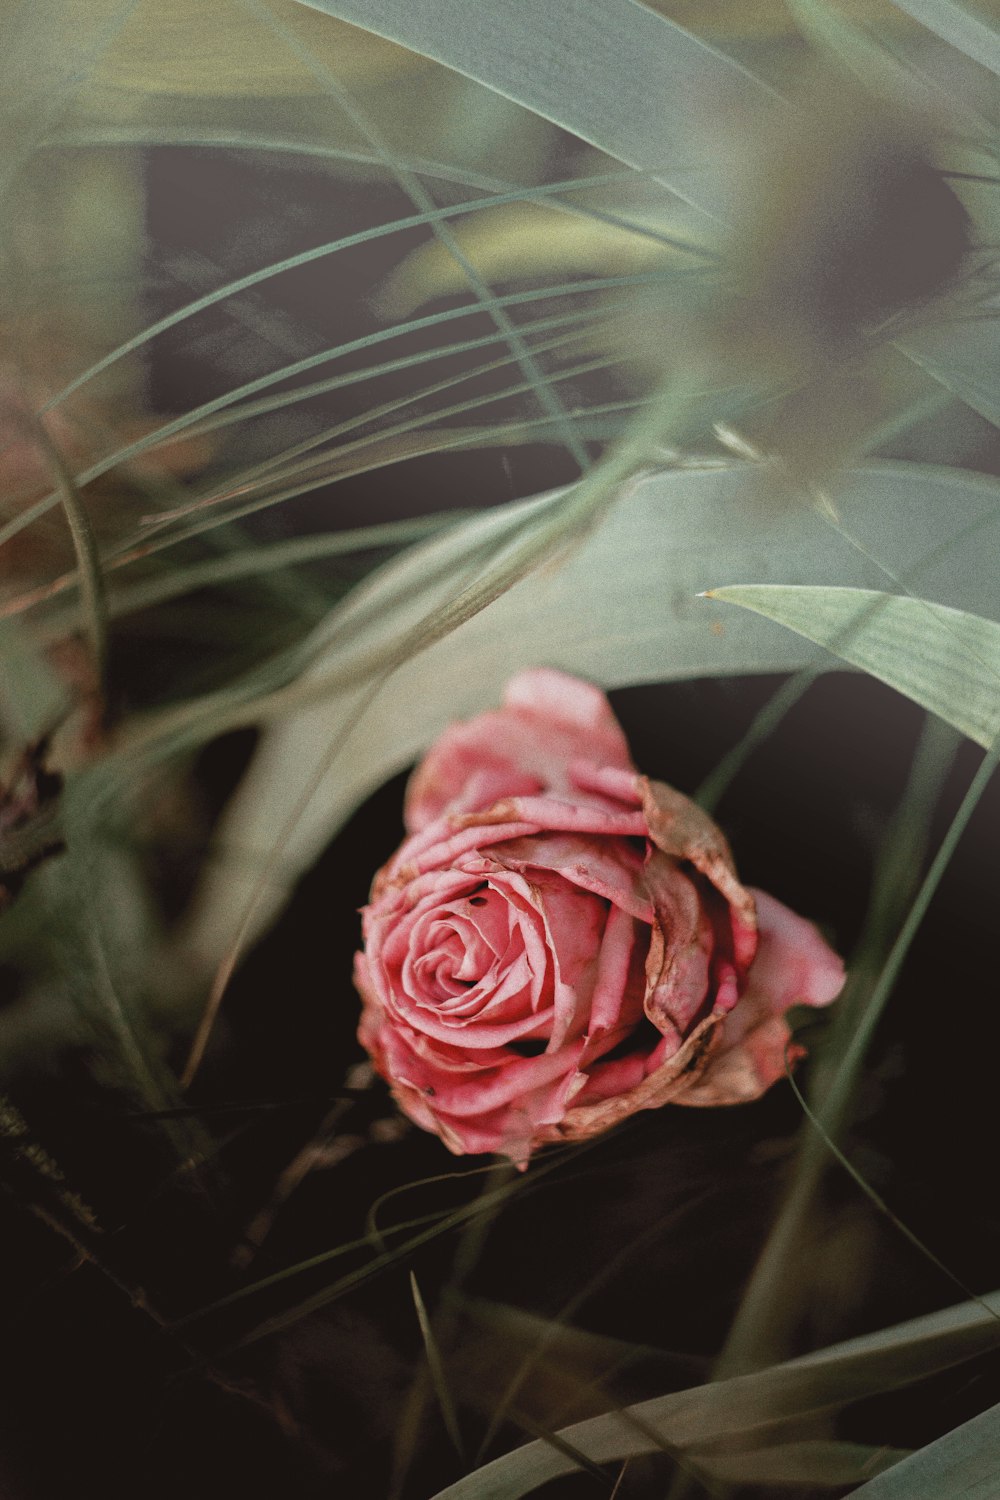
x=620 y=609
x=748 y=1404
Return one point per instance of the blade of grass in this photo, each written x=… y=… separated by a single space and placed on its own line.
x=252 y=410
x=471 y=1239
x=248 y=562
x=771 y=1306
x=213 y=138
x=877 y=1200
x=425 y=217
x=551 y=194
x=180 y=424
x=640 y=1244
x=764 y=1294
x=380 y=455
x=375 y=1235
x=442 y=1222
x=422 y=200
x=435 y=1366
x=281 y=466
x=127 y=552
x=92 y=590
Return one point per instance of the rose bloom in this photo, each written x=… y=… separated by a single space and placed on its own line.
x=561 y=942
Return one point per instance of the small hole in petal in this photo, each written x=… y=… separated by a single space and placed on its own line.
x=477 y=900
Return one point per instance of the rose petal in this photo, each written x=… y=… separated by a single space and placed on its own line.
x=443 y=844
x=547 y=721
x=794 y=966
x=666 y=1083
x=680 y=828
x=616 y=1005
x=609 y=868
x=680 y=949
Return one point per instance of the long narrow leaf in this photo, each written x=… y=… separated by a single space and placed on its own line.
x=963 y=355
x=964 y=1464
x=960 y=26
x=611 y=71
x=947 y=660
x=688 y=1419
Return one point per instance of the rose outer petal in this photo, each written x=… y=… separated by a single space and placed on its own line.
x=678 y=827
x=732 y=1058
x=547 y=721
x=444 y=844
x=794 y=966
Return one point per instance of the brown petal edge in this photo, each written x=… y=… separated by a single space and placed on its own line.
x=681 y=829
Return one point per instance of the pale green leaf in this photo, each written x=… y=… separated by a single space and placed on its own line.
x=611 y=71
x=947 y=660
x=886 y=73
x=964 y=1465
x=962 y=26
x=852 y=46
x=963 y=355
x=822 y=1464
x=619 y=608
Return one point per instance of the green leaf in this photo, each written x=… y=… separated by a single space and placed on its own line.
x=958 y=25
x=851 y=45
x=693 y=1418
x=886 y=74
x=824 y=1464
x=619 y=608
x=964 y=1464
x=963 y=355
x=947 y=660
x=611 y=71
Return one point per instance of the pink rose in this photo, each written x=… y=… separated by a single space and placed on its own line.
x=560 y=942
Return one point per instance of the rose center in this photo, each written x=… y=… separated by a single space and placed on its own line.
x=460 y=947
